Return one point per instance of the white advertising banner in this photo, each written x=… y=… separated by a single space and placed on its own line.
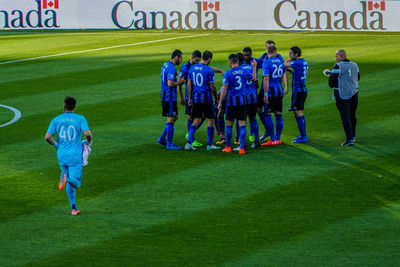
x=316 y=15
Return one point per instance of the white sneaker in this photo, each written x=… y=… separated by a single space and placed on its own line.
x=236 y=148
x=189 y=147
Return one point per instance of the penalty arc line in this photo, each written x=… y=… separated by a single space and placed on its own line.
x=16 y=117
x=99 y=49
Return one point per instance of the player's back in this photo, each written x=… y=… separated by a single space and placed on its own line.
x=250 y=85
x=275 y=69
x=69 y=128
x=300 y=71
x=201 y=76
x=236 y=79
x=168 y=72
x=183 y=73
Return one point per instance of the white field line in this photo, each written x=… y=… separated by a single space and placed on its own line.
x=16 y=117
x=99 y=49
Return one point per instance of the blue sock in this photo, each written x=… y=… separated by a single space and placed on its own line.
x=237 y=131
x=279 y=126
x=221 y=124
x=189 y=123
x=300 y=125
x=270 y=126
x=210 y=135
x=71 y=196
x=228 y=136
x=192 y=130
x=164 y=132
x=304 y=127
x=254 y=129
x=243 y=134
x=262 y=119
x=170 y=133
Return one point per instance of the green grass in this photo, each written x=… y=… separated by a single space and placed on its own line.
x=314 y=204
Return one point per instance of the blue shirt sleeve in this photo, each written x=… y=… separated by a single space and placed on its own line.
x=211 y=76
x=189 y=75
x=52 y=128
x=171 y=74
x=184 y=72
x=226 y=78
x=265 y=69
x=84 y=125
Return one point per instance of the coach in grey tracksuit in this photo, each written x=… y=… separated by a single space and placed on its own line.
x=344 y=80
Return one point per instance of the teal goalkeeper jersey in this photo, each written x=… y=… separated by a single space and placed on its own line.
x=69 y=128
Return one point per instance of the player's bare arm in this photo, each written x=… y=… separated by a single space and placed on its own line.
x=182 y=99
x=266 y=88
x=222 y=96
x=189 y=92
x=285 y=81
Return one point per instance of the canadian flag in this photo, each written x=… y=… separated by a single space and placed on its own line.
x=372 y=5
x=211 y=6
x=50 y=4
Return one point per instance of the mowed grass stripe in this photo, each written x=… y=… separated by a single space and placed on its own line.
x=366 y=240
x=262 y=220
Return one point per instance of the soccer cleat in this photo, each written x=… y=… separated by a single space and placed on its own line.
x=62 y=182
x=227 y=149
x=270 y=143
x=278 y=142
x=196 y=143
x=189 y=147
x=348 y=143
x=297 y=137
x=221 y=141
x=241 y=151
x=353 y=139
x=251 y=138
x=265 y=136
x=256 y=145
x=161 y=142
x=237 y=142
x=187 y=136
x=173 y=147
x=300 y=140
x=75 y=212
x=212 y=147
x=236 y=149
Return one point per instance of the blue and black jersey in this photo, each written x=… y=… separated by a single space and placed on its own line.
x=168 y=72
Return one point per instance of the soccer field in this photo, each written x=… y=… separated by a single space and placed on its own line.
x=296 y=204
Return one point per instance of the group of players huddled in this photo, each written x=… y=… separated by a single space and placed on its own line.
x=236 y=100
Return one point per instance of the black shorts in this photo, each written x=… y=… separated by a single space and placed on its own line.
x=200 y=109
x=169 y=108
x=252 y=110
x=260 y=99
x=298 y=100
x=275 y=104
x=236 y=112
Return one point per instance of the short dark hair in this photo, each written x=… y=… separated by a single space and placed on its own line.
x=247 y=50
x=176 y=53
x=240 y=57
x=69 y=103
x=233 y=58
x=196 y=53
x=271 y=49
x=270 y=42
x=296 y=50
x=207 y=55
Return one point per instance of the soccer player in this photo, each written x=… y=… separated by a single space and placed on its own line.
x=262 y=112
x=273 y=72
x=69 y=128
x=183 y=75
x=169 y=98
x=234 y=89
x=220 y=119
x=299 y=90
x=201 y=80
x=344 y=80
x=251 y=98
